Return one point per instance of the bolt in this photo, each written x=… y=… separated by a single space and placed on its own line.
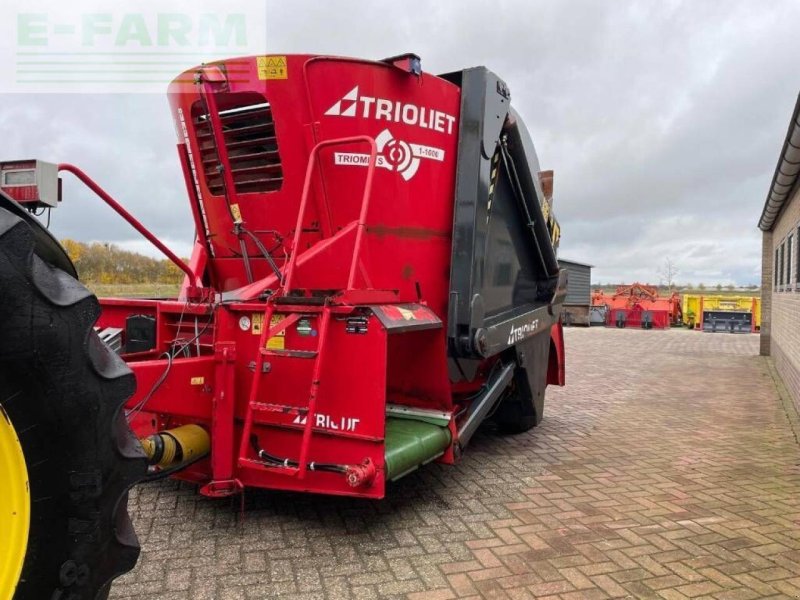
x=68 y=573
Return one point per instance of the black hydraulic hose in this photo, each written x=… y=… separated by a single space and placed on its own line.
x=164 y=473
x=286 y=462
x=273 y=265
x=248 y=270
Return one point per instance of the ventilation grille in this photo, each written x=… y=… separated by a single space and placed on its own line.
x=252 y=149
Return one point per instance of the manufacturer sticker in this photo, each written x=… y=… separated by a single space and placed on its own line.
x=272 y=67
x=354 y=104
x=522 y=331
x=198 y=380
x=328 y=422
x=393 y=154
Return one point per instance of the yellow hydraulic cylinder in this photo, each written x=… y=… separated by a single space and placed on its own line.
x=174 y=446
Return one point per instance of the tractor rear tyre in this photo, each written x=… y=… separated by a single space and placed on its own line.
x=67 y=455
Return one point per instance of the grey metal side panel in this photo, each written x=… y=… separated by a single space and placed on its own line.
x=579 y=284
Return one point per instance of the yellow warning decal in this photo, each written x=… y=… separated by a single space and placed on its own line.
x=257 y=320
x=237 y=214
x=198 y=380
x=278 y=342
x=272 y=67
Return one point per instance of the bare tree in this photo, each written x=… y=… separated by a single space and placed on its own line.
x=668 y=272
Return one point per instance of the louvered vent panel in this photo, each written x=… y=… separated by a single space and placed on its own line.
x=252 y=149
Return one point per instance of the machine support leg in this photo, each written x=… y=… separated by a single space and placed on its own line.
x=223 y=482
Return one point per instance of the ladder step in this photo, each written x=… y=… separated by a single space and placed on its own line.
x=250 y=463
x=289 y=353
x=284 y=409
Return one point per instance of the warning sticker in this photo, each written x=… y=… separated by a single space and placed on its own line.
x=277 y=342
x=236 y=213
x=272 y=67
x=406 y=314
x=258 y=321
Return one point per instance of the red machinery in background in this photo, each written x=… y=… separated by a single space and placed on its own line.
x=639 y=305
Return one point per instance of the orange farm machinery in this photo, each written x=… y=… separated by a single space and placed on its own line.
x=639 y=305
x=374 y=275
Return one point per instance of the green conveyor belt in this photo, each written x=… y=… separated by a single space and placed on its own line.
x=410 y=443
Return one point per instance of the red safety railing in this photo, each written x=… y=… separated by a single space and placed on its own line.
x=362 y=217
x=133 y=221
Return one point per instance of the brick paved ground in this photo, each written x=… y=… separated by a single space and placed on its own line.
x=668 y=468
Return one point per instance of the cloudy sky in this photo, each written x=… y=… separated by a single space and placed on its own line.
x=663 y=120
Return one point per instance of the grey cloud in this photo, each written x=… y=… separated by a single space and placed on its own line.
x=662 y=120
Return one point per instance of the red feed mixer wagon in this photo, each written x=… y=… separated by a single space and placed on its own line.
x=374 y=275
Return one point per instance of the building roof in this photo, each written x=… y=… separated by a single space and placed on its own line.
x=786 y=174
x=575 y=262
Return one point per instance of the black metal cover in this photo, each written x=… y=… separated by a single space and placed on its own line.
x=505 y=282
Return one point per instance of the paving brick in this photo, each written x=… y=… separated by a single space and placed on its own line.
x=666 y=469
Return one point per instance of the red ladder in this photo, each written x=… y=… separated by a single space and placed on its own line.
x=309 y=411
x=268 y=330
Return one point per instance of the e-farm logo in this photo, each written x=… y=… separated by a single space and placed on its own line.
x=124 y=46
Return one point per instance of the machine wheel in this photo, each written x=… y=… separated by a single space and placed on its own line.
x=67 y=455
x=515 y=414
x=522 y=407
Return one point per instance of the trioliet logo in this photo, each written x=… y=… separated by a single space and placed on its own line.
x=353 y=104
x=328 y=422
x=393 y=154
x=521 y=332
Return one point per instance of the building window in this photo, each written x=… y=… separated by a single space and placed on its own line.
x=776 y=270
x=797 y=259
x=789 y=261
x=783 y=263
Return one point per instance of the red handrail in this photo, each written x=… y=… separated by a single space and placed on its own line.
x=92 y=185
x=312 y=163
